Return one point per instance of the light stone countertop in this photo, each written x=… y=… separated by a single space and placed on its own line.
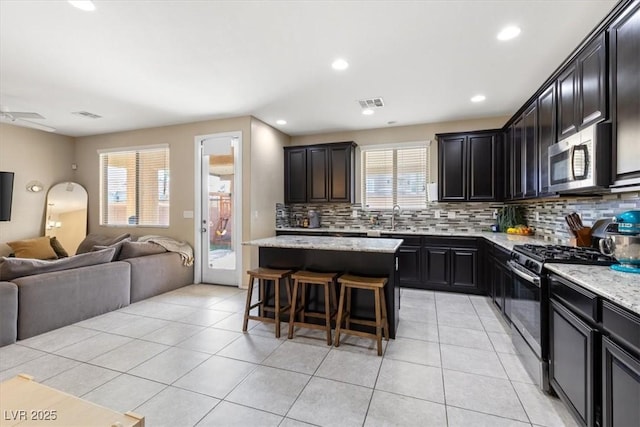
x=621 y=288
x=353 y=244
x=507 y=241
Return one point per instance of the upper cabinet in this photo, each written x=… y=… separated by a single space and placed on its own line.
x=320 y=173
x=582 y=95
x=624 y=61
x=530 y=150
x=546 y=136
x=469 y=166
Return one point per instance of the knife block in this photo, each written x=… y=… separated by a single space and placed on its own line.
x=582 y=238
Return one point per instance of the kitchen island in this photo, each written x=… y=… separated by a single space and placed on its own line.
x=354 y=255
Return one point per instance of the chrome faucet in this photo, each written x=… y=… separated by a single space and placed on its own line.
x=395 y=210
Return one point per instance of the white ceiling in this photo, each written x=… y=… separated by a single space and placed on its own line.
x=150 y=63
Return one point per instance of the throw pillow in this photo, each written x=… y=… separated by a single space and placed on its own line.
x=38 y=248
x=58 y=248
x=5 y=250
x=98 y=240
x=12 y=268
x=136 y=249
x=117 y=246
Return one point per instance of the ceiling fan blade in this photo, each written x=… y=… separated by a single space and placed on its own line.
x=22 y=115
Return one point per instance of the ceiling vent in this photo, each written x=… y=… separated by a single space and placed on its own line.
x=87 y=114
x=371 y=103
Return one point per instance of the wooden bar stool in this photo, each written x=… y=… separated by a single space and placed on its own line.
x=267 y=274
x=300 y=281
x=381 y=323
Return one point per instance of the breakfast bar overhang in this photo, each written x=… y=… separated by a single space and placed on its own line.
x=361 y=256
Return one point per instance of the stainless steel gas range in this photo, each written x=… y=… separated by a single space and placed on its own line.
x=530 y=300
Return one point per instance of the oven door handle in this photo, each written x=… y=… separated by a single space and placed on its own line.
x=517 y=270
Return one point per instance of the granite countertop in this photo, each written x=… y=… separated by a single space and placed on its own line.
x=618 y=287
x=507 y=241
x=355 y=244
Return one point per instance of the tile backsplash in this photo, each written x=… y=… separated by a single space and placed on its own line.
x=545 y=215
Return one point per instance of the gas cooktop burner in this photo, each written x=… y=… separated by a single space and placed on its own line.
x=565 y=254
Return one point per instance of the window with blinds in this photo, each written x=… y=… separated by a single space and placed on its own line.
x=395 y=176
x=134 y=187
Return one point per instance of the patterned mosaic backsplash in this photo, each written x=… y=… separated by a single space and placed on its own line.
x=546 y=216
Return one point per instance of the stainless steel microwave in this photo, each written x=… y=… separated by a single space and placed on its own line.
x=582 y=161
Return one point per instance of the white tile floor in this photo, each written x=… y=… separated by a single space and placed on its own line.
x=180 y=359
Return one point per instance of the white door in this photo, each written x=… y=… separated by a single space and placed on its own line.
x=221 y=216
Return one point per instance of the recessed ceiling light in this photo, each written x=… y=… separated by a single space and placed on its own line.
x=367 y=111
x=339 y=64
x=86 y=5
x=478 y=98
x=281 y=122
x=509 y=33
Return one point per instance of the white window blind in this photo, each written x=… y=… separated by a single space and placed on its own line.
x=134 y=187
x=395 y=176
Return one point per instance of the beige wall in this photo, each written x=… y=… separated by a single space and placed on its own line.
x=180 y=139
x=398 y=134
x=267 y=179
x=32 y=155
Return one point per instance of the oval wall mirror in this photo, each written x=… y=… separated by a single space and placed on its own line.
x=66 y=217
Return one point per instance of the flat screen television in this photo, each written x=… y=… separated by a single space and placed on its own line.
x=6 y=195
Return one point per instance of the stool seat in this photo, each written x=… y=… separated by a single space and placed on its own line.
x=366 y=282
x=276 y=276
x=381 y=323
x=300 y=281
x=269 y=273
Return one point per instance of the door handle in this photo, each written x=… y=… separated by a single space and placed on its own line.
x=204 y=230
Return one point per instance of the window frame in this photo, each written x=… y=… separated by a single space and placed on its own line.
x=426 y=144
x=104 y=191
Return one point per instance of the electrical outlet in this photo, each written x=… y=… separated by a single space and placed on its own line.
x=495 y=214
x=187 y=214
x=537 y=216
x=354 y=213
x=451 y=215
x=436 y=214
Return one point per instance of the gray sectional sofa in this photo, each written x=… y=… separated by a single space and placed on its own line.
x=33 y=304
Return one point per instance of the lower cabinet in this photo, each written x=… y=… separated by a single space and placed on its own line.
x=620 y=386
x=500 y=281
x=571 y=367
x=594 y=356
x=443 y=264
x=409 y=265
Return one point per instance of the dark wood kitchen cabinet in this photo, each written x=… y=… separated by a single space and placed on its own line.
x=317 y=174
x=469 y=167
x=620 y=366
x=410 y=260
x=517 y=164
x=451 y=265
x=295 y=175
x=582 y=89
x=546 y=136
x=592 y=83
x=530 y=150
x=500 y=281
x=571 y=366
x=620 y=386
x=320 y=173
x=624 y=67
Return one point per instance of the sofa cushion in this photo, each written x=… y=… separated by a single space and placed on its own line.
x=11 y=268
x=137 y=249
x=98 y=240
x=8 y=313
x=60 y=251
x=38 y=248
x=117 y=246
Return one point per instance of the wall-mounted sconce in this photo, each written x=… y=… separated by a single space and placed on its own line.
x=35 y=186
